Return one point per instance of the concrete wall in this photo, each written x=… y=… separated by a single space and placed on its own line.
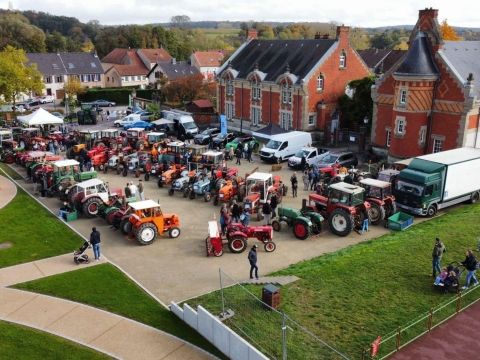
x=221 y=336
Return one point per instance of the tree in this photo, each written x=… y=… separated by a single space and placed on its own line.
x=359 y=106
x=88 y=46
x=179 y=21
x=15 y=30
x=72 y=88
x=56 y=42
x=448 y=32
x=382 y=41
x=16 y=76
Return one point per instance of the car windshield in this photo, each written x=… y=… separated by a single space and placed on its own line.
x=409 y=188
x=189 y=125
x=330 y=159
x=221 y=136
x=273 y=144
x=302 y=153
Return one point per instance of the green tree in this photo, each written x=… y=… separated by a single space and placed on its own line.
x=56 y=42
x=383 y=41
x=73 y=87
x=16 y=76
x=15 y=30
x=359 y=105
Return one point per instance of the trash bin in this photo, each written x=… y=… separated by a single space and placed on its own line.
x=271 y=295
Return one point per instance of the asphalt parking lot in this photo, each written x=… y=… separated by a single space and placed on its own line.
x=178 y=269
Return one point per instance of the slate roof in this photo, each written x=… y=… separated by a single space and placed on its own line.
x=175 y=71
x=381 y=60
x=418 y=61
x=272 y=57
x=76 y=63
x=209 y=58
x=464 y=57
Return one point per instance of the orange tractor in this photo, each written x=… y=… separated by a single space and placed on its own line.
x=233 y=189
x=171 y=174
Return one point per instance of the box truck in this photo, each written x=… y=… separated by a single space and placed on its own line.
x=183 y=123
x=436 y=181
x=282 y=146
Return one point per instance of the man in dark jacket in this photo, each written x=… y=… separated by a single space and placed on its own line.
x=437 y=252
x=235 y=212
x=128 y=192
x=238 y=153
x=267 y=213
x=95 y=241
x=294 y=182
x=470 y=264
x=274 y=204
x=252 y=259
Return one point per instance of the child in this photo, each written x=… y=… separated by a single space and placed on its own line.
x=441 y=277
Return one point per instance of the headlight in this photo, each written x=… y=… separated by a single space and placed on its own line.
x=221 y=195
x=60 y=188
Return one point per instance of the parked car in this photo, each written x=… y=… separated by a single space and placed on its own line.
x=47 y=99
x=57 y=114
x=139 y=124
x=127 y=120
x=221 y=140
x=242 y=140
x=145 y=115
x=204 y=137
x=34 y=103
x=345 y=159
x=312 y=156
x=102 y=103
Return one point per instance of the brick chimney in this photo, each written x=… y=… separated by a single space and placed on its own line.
x=343 y=32
x=252 y=34
x=428 y=13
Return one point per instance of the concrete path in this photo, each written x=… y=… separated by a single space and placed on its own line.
x=455 y=339
x=111 y=334
x=280 y=280
x=8 y=190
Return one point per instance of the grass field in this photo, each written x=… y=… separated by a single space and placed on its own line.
x=349 y=297
x=105 y=287
x=20 y=342
x=33 y=232
x=10 y=172
x=212 y=33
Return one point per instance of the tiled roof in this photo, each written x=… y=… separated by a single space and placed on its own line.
x=126 y=62
x=203 y=103
x=271 y=57
x=209 y=58
x=156 y=55
x=76 y=63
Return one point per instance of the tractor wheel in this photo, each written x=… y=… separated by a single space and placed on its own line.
x=431 y=211
x=191 y=195
x=377 y=213
x=174 y=232
x=91 y=207
x=270 y=246
x=125 y=172
x=317 y=227
x=147 y=176
x=171 y=192
x=391 y=209
x=276 y=225
x=160 y=183
x=72 y=192
x=341 y=222
x=146 y=233
x=126 y=226
x=237 y=244
x=207 y=197
x=110 y=216
x=215 y=201
x=186 y=192
x=101 y=167
x=301 y=230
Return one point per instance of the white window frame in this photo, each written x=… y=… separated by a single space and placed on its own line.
x=229 y=88
x=343 y=60
x=400 y=130
x=286 y=120
x=403 y=96
x=256 y=91
x=423 y=135
x=229 y=110
x=59 y=79
x=311 y=119
x=286 y=94
x=437 y=145
x=256 y=115
x=320 y=82
x=388 y=137
x=48 y=79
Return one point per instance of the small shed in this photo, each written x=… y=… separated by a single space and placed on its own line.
x=203 y=106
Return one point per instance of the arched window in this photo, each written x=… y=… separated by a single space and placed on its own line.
x=286 y=93
x=256 y=89
x=320 y=82
x=343 y=60
x=229 y=87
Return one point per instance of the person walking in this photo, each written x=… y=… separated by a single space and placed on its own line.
x=305 y=180
x=231 y=153
x=141 y=192
x=437 y=252
x=294 y=182
x=95 y=241
x=252 y=259
x=245 y=151
x=238 y=154
x=249 y=154
x=470 y=264
x=128 y=192
x=267 y=213
x=274 y=204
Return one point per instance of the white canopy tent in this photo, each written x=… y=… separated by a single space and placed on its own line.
x=40 y=117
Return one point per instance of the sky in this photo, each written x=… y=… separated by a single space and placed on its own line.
x=363 y=13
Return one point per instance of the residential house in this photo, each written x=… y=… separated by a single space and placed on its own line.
x=171 y=71
x=129 y=67
x=293 y=83
x=428 y=102
x=207 y=62
x=379 y=61
x=57 y=68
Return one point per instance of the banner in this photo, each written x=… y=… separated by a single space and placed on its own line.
x=223 y=124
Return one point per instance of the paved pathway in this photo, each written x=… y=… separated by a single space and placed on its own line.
x=455 y=339
x=106 y=332
x=8 y=190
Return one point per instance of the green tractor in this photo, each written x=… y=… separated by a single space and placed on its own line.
x=303 y=222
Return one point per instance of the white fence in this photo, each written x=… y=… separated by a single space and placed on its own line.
x=221 y=336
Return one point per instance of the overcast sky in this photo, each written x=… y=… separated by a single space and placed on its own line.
x=366 y=13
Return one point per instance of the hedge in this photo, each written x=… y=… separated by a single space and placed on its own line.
x=117 y=95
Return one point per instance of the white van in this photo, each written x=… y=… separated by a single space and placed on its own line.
x=184 y=124
x=282 y=146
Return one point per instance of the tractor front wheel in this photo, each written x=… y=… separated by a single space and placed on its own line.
x=301 y=230
x=237 y=244
x=276 y=225
x=160 y=183
x=341 y=222
x=126 y=226
x=174 y=232
x=146 y=234
x=207 y=197
x=91 y=206
x=377 y=213
x=269 y=246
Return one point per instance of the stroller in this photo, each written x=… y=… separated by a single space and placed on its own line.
x=80 y=256
x=449 y=282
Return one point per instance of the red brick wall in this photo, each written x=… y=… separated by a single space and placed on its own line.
x=408 y=146
x=384 y=119
x=473 y=121
x=221 y=99
x=242 y=102
x=448 y=126
x=447 y=87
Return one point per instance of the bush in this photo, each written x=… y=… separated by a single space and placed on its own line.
x=117 y=95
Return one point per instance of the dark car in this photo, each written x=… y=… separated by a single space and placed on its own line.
x=103 y=103
x=204 y=137
x=346 y=159
x=33 y=103
x=221 y=140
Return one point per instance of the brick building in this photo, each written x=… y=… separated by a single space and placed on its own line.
x=293 y=83
x=427 y=102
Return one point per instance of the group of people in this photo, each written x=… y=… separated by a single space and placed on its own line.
x=233 y=214
x=136 y=191
x=242 y=151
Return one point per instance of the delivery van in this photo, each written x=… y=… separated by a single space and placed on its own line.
x=283 y=146
x=183 y=123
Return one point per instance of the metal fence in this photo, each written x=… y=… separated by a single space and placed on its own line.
x=272 y=332
x=423 y=324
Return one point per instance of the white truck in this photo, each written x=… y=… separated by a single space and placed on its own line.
x=183 y=122
x=283 y=146
x=312 y=156
x=436 y=181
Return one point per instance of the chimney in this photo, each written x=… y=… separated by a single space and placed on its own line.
x=252 y=34
x=428 y=13
x=174 y=61
x=343 y=32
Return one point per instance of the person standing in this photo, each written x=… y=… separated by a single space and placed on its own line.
x=294 y=182
x=267 y=213
x=95 y=241
x=274 y=204
x=238 y=154
x=224 y=218
x=231 y=153
x=252 y=259
x=249 y=153
x=305 y=180
x=303 y=163
x=128 y=192
x=245 y=217
x=437 y=252
x=470 y=264
x=141 y=192
x=235 y=212
x=133 y=189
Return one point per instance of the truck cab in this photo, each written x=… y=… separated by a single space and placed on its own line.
x=312 y=156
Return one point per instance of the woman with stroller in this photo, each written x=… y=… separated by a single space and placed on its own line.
x=470 y=264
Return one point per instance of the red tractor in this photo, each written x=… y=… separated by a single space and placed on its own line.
x=344 y=206
x=232 y=189
x=237 y=237
x=99 y=156
x=260 y=187
x=382 y=202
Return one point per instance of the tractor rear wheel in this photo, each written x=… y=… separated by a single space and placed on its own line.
x=146 y=233
x=207 y=197
x=126 y=226
x=174 y=232
x=377 y=213
x=237 y=244
x=391 y=209
x=301 y=230
x=341 y=222
x=91 y=207
x=72 y=192
x=186 y=192
x=276 y=225
x=270 y=246
x=160 y=183
x=191 y=194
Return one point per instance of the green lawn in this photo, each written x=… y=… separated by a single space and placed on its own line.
x=33 y=232
x=349 y=297
x=20 y=342
x=10 y=172
x=105 y=287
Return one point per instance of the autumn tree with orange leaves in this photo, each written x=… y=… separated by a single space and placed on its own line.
x=448 y=33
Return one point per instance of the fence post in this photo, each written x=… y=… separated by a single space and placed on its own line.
x=430 y=318
x=221 y=291
x=397 y=340
x=459 y=302
x=284 y=338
